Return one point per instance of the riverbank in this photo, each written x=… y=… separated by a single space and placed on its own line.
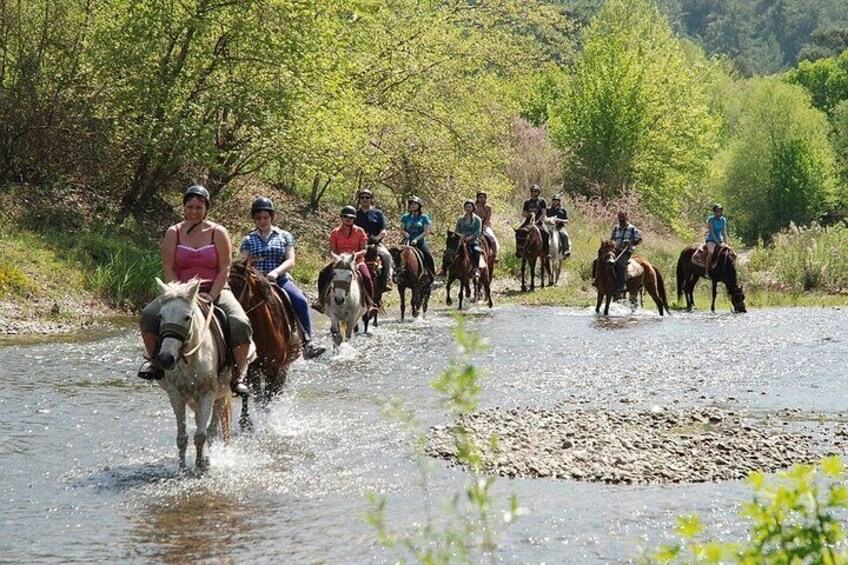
x=76 y=272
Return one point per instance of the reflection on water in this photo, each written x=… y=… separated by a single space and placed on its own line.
x=89 y=461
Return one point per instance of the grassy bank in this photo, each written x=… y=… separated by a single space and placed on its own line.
x=77 y=257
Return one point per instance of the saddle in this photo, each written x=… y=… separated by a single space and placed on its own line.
x=699 y=258
x=220 y=331
x=292 y=325
x=634 y=270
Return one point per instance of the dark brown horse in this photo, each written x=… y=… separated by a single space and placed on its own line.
x=410 y=273
x=649 y=278
x=457 y=260
x=724 y=270
x=375 y=267
x=529 y=248
x=275 y=329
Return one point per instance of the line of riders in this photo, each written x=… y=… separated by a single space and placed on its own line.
x=200 y=248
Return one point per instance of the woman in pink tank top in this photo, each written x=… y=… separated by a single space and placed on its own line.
x=198 y=247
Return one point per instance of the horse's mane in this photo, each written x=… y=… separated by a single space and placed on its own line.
x=176 y=289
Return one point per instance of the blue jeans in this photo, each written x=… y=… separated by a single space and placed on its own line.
x=299 y=303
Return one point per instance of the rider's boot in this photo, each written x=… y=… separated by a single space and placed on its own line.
x=310 y=350
x=317 y=306
x=237 y=383
x=149 y=370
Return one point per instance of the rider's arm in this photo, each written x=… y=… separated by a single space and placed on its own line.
x=333 y=244
x=224 y=246
x=284 y=267
x=168 y=249
x=543 y=213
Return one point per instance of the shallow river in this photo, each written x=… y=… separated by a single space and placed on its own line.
x=88 y=456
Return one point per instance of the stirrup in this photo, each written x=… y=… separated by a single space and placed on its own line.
x=239 y=389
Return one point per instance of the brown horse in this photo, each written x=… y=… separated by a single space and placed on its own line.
x=375 y=267
x=529 y=248
x=410 y=273
x=457 y=260
x=275 y=329
x=724 y=270
x=649 y=278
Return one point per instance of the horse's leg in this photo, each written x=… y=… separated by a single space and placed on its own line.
x=448 y=300
x=532 y=274
x=202 y=418
x=652 y=287
x=600 y=301
x=245 y=423
x=689 y=290
x=487 y=284
x=402 y=293
x=606 y=306
x=226 y=418
x=335 y=330
x=179 y=406
x=523 y=267
x=715 y=291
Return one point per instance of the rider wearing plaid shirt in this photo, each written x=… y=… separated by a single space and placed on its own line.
x=626 y=238
x=273 y=246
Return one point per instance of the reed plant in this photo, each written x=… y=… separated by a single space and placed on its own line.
x=795 y=516
x=803 y=259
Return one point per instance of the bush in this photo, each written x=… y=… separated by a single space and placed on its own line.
x=804 y=259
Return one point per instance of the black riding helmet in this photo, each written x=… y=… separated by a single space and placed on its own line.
x=197 y=191
x=348 y=212
x=261 y=204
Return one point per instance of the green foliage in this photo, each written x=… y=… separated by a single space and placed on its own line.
x=636 y=115
x=795 y=518
x=803 y=259
x=825 y=79
x=13 y=281
x=466 y=532
x=779 y=166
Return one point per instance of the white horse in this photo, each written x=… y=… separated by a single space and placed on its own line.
x=343 y=300
x=558 y=255
x=190 y=358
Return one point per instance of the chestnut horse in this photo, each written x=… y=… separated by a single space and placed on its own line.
x=529 y=248
x=410 y=273
x=457 y=260
x=649 y=279
x=275 y=329
x=724 y=270
x=373 y=261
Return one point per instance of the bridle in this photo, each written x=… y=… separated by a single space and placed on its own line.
x=184 y=334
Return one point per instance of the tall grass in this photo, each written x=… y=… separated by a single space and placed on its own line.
x=803 y=259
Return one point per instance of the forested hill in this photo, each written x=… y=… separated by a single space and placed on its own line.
x=759 y=36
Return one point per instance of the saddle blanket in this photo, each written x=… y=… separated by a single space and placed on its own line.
x=634 y=269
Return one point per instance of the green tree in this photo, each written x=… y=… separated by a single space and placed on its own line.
x=779 y=166
x=825 y=79
x=636 y=113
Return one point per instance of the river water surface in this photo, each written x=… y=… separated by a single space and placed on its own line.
x=89 y=465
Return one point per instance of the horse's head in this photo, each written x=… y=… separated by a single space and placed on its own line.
x=607 y=252
x=176 y=319
x=344 y=267
x=451 y=247
x=737 y=299
x=397 y=262
x=247 y=282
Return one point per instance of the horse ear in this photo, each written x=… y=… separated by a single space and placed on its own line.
x=335 y=257
x=160 y=285
x=194 y=290
x=359 y=254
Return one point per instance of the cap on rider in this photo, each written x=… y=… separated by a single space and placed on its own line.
x=535 y=188
x=348 y=212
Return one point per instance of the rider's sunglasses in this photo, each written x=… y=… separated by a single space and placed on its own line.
x=366 y=197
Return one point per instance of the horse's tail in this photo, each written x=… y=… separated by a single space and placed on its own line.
x=680 y=276
x=661 y=287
